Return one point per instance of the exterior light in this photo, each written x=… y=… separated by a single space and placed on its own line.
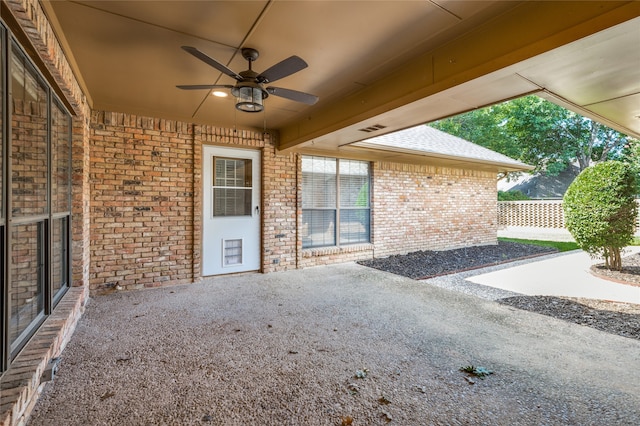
x=249 y=97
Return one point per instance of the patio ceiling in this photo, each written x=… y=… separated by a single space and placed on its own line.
x=385 y=64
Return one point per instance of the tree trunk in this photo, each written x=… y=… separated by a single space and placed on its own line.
x=613 y=258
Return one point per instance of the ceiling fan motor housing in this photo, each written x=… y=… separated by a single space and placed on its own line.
x=250 y=54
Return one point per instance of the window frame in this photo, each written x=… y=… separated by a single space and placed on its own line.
x=4 y=261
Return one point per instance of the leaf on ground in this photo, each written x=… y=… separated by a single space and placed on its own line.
x=107 y=395
x=353 y=388
x=384 y=400
x=346 y=421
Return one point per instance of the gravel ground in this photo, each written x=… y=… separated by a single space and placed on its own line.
x=333 y=345
x=618 y=318
x=427 y=264
x=630 y=273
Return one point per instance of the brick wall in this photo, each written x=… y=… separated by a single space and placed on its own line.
x=146 y=200
x=278 y=193
x=142 y=211
x=280 y=189
x=431 y=208
x=21 y=384
x=35 y=24
x=418 y=207
x=80 y=195
x=146 y=231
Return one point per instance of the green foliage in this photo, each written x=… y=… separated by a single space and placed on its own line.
x=476 y=371
x=363 y=201
x=631 y=155
x=559 y=245
x=600 y=210
x=539 y=133
x=363 y=196
x=483 y=127
x=512 y=196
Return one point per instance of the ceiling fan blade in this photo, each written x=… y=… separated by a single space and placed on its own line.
x=204 y=86
x=282 y=69
x=294 y=95
x=210 y=61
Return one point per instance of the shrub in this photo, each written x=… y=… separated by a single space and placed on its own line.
x=512 y=196
x=600 y=210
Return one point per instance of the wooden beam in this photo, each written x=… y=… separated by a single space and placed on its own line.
x=527 y=30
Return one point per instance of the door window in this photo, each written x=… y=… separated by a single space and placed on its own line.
x=232 y=189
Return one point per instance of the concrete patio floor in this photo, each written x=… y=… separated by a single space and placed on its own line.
x=285 y=349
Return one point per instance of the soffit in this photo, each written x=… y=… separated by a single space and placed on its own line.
x=366 y=59
x=128 y=54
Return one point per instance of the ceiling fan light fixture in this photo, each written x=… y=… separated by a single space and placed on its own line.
x=249 y=98
x=219 y=94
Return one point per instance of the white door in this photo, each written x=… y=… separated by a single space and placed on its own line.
x=231 y=210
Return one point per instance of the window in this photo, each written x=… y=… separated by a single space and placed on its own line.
x=29 y=203
x=26 y=292
x=335 y=202
x=231 y=187
x=60 y=200
x=35 y=232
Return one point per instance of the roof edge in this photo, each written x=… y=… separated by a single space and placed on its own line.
x=516 y=166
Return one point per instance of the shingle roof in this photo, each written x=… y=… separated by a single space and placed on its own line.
x=426 y=140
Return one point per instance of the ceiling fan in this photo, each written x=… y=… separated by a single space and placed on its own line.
x=250 y=88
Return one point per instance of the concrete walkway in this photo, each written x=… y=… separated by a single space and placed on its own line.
x=567 y=274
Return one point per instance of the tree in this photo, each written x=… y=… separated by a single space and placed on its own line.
x=539 y=133
x=600 y=210
x=631 y=155
x=512 y=196
x=481 y=126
